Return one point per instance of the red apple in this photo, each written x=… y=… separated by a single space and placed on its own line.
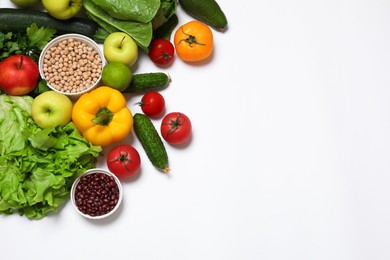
x=19 y=75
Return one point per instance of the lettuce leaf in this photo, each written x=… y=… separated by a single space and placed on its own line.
x=38 y=166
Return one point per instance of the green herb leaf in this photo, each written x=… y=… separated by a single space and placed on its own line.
x=42 y=87
x=30 y=43
x=39 y=37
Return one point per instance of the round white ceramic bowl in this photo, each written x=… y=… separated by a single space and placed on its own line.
x=81 y=38
x=76 y=183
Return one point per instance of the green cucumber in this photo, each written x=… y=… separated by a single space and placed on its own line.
x=144 y=82
x=151 y=142
x=17 y=20
x=207 y=11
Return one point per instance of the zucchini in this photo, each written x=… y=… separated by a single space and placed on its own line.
x=207 y=11
x=151 y=142
x=145 y=82
x=17 y=20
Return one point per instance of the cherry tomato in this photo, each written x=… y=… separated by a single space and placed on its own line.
x=194 y=41
x=161 y=51
x=176 y=128
x=152 y=103
x=123 y=161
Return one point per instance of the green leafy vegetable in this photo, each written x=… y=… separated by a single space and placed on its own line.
x=140 y=32
x=166 y=29
x=38 y=166
x=162 y=24
x=136 y=10
x=42 y=87
x=30 y=43
x=101 y=34
x=166 y=10
x=39 y=37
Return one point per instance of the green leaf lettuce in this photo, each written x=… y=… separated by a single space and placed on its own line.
x=38 y=166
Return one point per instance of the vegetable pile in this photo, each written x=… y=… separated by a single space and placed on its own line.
x=41 y=156
x=38 y=166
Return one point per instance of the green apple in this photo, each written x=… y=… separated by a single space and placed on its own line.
x=120 y=47
x=62 y=9
x=51 y=109
x=116 y=75
x=25 y=3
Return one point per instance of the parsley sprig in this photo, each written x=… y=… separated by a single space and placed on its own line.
x=31 y=42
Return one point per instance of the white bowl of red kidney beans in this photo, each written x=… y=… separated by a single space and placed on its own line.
x=96 y=194
x=71 y=64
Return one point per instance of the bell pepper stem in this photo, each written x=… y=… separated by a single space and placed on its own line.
x=103 y=117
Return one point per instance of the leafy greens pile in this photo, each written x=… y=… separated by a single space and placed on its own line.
x=29 y=43
x=141 y=19
x=38 y=166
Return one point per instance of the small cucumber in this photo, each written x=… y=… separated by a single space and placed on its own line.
x=145 y=82
x=151 y=141
x=17 y=20
x=207 y=11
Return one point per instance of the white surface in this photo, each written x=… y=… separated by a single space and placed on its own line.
x=290 y=151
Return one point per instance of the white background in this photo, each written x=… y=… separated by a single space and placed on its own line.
x=290 y=151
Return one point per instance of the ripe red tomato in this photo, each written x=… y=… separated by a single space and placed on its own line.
x=152 y=103
x=123 y=161
x=176 y=128
x=161 y=51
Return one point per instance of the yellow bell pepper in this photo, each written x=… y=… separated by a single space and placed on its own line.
x=102 y=116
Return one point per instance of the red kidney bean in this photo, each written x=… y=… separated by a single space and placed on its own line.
x=96 y=194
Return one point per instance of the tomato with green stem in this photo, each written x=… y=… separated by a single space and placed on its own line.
x=161 y=51
x=194 y=41
x=123 y=161
x=152 y=103
x=176 y=128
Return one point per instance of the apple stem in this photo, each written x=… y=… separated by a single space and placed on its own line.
x=124 y=37
x=20 y=65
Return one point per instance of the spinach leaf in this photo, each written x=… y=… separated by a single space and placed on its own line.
x=166 y=10
x=136 y=10
x=166 y=29
x=140 y=32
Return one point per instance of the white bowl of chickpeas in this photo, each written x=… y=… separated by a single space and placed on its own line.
x=71 y=64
